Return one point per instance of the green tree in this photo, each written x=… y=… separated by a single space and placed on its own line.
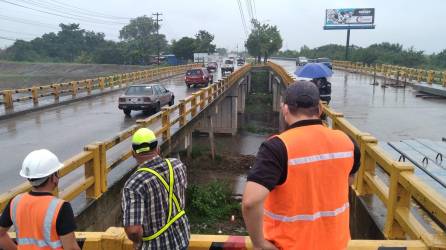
x=141 y=36
x=184 y=48
x=71 y=37
x=204 y=42
x=221 y=51
x=264 y=40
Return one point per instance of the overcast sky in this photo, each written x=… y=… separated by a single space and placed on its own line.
x=420 y=24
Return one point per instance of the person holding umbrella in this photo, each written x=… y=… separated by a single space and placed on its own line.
x=319 y=73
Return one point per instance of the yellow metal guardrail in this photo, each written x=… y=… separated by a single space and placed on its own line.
x=10 y=96
x=398 y=193
x=403 y=74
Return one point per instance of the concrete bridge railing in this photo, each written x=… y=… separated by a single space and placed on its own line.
x=394 y=72
x=94 y=158
x=73 y=88
x=395 y=184
x=398 y=188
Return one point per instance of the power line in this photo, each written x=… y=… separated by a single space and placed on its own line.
x=66 y=11
x=157 y=34
x=60 y=15
x=255 y=9
x=249 y=8
x=67 y=6
x=242 y=15
x=21 y=33
x=29 y=22
x=7 y=38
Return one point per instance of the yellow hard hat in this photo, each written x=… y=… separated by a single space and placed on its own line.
x=144 y=140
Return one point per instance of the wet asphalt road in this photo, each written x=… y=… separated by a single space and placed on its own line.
x=66 y=129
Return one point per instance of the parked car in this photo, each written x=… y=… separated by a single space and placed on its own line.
x=200 y=76
x=301 y=61
x=228 y=65
x=240 y=61
x=212 y=66
x=325 y=61
x=145 y=97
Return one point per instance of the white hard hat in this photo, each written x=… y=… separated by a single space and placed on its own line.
x=40 y=163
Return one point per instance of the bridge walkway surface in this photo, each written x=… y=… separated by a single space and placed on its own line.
x=414 y=212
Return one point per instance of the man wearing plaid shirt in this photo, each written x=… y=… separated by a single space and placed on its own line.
x=153 y=198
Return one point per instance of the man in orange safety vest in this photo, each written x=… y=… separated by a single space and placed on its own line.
x=296 y=196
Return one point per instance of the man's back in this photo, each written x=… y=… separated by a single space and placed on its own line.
x=146 y=202
x=312 y=204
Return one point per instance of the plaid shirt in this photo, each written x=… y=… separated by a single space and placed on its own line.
x=145 y=201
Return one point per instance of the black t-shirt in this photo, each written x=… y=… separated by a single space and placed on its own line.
x=271 y=165
x=65 y=223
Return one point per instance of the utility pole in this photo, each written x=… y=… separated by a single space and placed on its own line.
x=157 y=14
x=347 y=45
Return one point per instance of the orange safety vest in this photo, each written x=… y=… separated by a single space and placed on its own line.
x=310 y=210
x=34 y=218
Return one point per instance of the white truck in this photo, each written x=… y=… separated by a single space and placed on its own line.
x=227 y=66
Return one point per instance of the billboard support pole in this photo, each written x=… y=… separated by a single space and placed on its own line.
x=347 y=44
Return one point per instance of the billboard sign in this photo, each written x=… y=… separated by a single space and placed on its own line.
x=350 y=18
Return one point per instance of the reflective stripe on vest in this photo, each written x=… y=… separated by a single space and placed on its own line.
x=172 y=197
x=307 y=217
x=321 y=157
x=47 y=224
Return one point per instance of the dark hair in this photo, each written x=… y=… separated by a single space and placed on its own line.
x=311 y=111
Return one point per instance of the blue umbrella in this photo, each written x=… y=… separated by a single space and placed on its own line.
x=313 y=70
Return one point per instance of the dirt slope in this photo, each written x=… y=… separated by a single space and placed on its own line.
x=19 y=75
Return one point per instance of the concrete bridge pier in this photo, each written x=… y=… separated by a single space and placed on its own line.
x=248 y=81
x=242 y=92
x=224 y=117
x=278 y=91
x=270 y=81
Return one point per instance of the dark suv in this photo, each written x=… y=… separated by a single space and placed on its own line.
x=325 y=61
x=199 y=76
x=212 y=66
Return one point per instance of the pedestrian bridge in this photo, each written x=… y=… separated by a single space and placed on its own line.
x=415 y=213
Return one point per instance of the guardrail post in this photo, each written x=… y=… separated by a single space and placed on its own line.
x=444 y=79
x=101 y=83
x=73 y=88
x=93 y=169
x=210 y=94
x=103 y=165
x=398 y=196
x=334 y=120
x=430 y=76
x=165 y=122
x=202 y=100
x=194 y=105
x=35 y=95
x=182 y=110
x=89 y=86
x=7 y=98
x=368 y=164
x=56 y=92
